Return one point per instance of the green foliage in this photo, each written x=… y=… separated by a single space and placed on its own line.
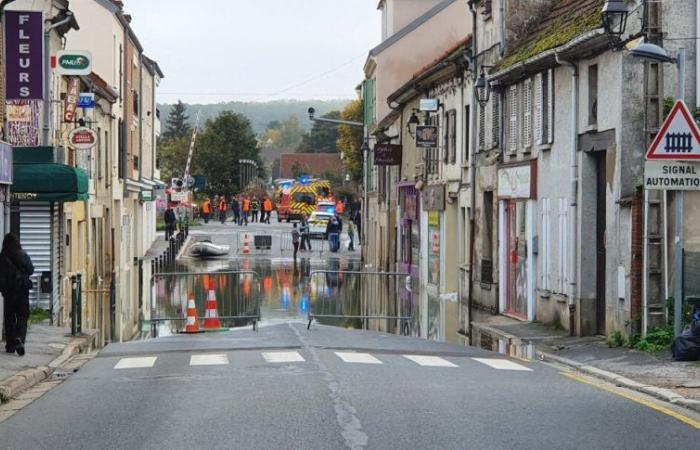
x=177 y=124
x=172 y=157
x=616 y=339
x=350 y=140
x=38 y=315
x=283 y=135
x=657 y=339
x=322 y=138
x=223 y=142
x=668 y=106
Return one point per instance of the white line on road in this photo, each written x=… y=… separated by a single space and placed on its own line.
x=136 y=363
x=430 y=361
x=208 y=360
x=283 y=357
x=358 y=358
x=502 y=364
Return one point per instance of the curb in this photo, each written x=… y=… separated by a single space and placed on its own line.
x=21 y=381
x=666 y=395
x=185 y=246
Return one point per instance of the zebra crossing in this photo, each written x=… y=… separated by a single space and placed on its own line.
x=288 y=357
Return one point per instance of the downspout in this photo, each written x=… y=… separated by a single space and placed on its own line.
x=141 y=117
x=573 y=194
x=47 y=76
x=472 y=175
x=697 y=57
x=502 y=26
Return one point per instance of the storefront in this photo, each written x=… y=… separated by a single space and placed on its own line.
x=409 y=248
x=433 y=198
x=517 y=195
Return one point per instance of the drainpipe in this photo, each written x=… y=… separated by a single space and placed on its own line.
x=473 y=110
x=47 y=76
x=502 y=26
x=141 y=117
x=573 y=193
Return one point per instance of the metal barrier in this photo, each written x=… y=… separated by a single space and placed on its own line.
x=156 y=319
x=286 y=244
x=403 y=322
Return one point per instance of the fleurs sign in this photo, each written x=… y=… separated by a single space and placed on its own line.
x=426 y=136
x=387 y=154
x=24 y=55
x=74 y=62
x=82 y=138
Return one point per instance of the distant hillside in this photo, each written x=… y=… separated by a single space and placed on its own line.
x=262 y=113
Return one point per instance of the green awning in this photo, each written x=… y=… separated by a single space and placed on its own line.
x=49 y=182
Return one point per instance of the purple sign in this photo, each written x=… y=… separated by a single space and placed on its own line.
x=5 y=163
x=24 y=55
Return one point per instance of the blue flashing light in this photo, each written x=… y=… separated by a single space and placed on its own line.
x=305 y=179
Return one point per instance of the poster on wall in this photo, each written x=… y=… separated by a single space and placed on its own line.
x=434 y=247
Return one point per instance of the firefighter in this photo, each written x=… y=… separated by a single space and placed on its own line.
x=267 y=210
x=246 y=210
x=255 y=209
x=223 y=207
x=206 y=210
x=340 y=207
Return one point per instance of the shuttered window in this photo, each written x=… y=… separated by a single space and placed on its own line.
x=482 y=127
x=513 y=119
x=495 y=119
x=452 y=136
x=548 y=102
x=527 y=114
x=538 y=113
x=562 y=239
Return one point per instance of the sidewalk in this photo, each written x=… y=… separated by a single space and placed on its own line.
x=47 y=349
x=654 y=374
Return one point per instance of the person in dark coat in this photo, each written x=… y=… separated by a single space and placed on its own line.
x=170 y=223
x=15 y=269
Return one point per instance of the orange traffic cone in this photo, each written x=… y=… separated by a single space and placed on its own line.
x=192 y=322
x=246 y=244
x=211 y=317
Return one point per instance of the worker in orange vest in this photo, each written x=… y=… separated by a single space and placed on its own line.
x=246 y=210
x=206 y=210
x=267 y=210
x=340 y=207
x=223 y=207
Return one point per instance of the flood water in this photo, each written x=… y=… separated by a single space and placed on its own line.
x=277 y=290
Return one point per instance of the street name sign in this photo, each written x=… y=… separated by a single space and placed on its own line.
x=672 y=176
x=678 y=139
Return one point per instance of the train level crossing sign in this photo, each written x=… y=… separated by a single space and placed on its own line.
x=678 y=139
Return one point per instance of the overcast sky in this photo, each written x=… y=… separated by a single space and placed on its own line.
x=221 y=50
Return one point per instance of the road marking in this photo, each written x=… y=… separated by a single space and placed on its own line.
x=283 y=357
x=502 y=364
x=136 y=363
x=642 y=401
x=209 y=360
x=358 y=358
x=430 y=361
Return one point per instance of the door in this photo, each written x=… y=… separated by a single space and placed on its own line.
x=600 y=241
x=516 y=272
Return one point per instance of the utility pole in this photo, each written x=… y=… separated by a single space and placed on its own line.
x=680 y=217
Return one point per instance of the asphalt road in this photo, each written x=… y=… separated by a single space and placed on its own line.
x=285 y=387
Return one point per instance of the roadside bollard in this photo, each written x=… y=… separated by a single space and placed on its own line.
x=76 y=305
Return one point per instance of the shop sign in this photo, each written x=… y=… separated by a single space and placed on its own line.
x=82 y=138
x=74 y=62
x=86 y=100
x=147 y=196
x=429 y=104
x=387 y=154
x=672 y=175
x=434 y=197
x=5 y=163
x=434 y=247
x=70 y=104
x=19 y=113
x=24 y=55
x=517 y=182
x=426 y=136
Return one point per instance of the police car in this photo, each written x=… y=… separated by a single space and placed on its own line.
x=318 y=222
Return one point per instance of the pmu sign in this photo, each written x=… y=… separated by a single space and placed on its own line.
x=24 y=55
x=678 y=139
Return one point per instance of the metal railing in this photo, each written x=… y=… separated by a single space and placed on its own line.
x=317 y=245
x=370 y=284
x=243 y=297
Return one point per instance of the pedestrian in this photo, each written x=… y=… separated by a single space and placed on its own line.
x=295 y=241
x=333 y=234
x=223 y=207
x=236 y=210
x=358 y=223
x=170 y=223
x=15 y=269
x=304 y=228
x=246 y=210
x=206 y=210
x=267 y=209
x=351 y=235
x=340 y=207
x=255 y=209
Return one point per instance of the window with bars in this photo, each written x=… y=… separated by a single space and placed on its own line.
x=513 y=118
x=527 y=115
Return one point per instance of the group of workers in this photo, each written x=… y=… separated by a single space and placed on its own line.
x=243 y=208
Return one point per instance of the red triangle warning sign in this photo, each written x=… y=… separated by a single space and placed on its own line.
x=679 y=137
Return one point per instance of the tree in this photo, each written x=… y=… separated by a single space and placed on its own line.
x=226 y=139
x=283 y=135
x=350 y=141
x=176 y=126
x=172 y=156
x=323 y=136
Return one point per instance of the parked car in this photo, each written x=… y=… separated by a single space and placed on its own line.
x=318 y=222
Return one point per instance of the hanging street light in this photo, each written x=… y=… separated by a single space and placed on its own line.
x=413 y=122
x=615 y=17
x=482 y=89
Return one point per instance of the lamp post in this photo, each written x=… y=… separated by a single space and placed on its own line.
x=655 y=53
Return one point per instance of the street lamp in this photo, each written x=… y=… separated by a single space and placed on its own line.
x=482 y=89
x=653 y=52
x=615 y=17
x=413 y=122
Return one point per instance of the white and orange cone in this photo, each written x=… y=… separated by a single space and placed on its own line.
x=246 y=244
x=211 y=317
x=192 y=322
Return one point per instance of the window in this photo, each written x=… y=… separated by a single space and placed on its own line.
x=451 y=134
x=369 y=100
x=136 y=103
x=495 y=119
x=433 y=154
x=527 y=114
x=592 y=94
x=548 y=107
x=99 y=153
x=122 y=149
x=482 y=127
x=537 y=112
x=545 y=239
x=487 y=239
x=562 y=254
x=513 y=119
x=467 y=130
x=107 y=158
